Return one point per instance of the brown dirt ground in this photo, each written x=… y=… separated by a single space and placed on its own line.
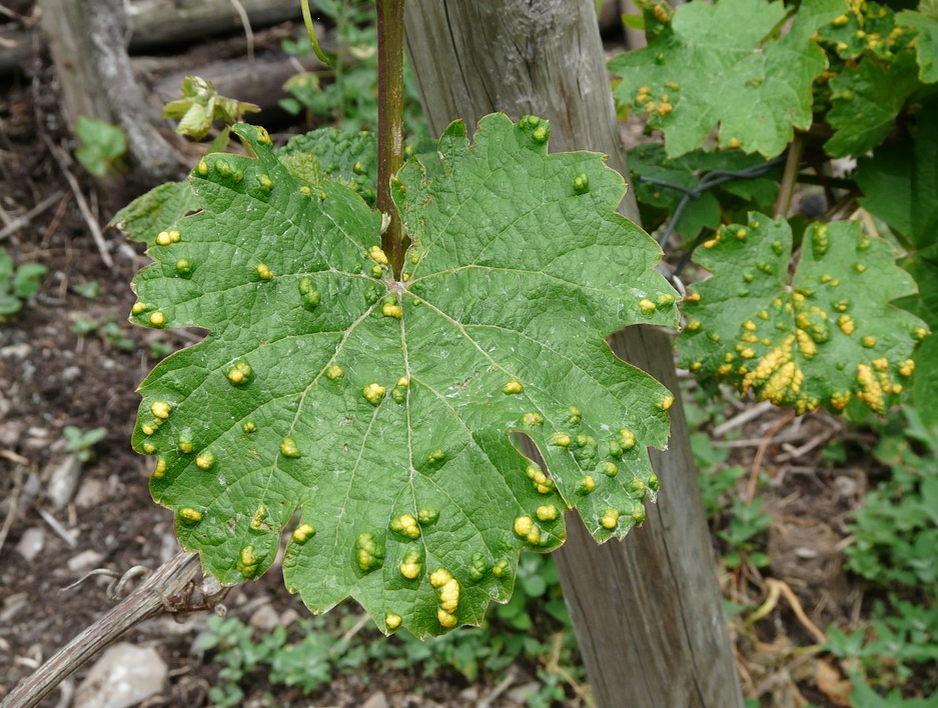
x=51 y=377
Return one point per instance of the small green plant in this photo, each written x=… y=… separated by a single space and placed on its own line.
x=314 y=652
x=345 y=94
x=747 y=521
x=90 y=289
x=82 y=442
x=83 y=326
x=17 y=283
x=101 y=145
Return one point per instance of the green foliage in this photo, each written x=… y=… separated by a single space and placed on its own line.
x=755 y=83
x=383 y=407
x=747 y=521
x=865 y=697
x=662 y=182
x=155 y=211
x=345 y=94
x=865 y=101
x=313 y=653
x=201 y=105
x=90 y=289
x=897 y=529
x=347 y=156
x=925 y=25
x=82 y=442
x=101 y=145
x=824 y=336
x=17 y=283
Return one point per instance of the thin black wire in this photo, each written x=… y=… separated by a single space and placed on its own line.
x=708 y=181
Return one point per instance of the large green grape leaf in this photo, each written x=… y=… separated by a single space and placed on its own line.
x=865 y=101
x=825 y=336
x=384 y=409
x=726 y=63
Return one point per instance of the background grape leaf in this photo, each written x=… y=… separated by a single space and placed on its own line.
x=826 y=336
x=382 y=408
x=900 y=182
x=926 y=45
x=865 y=101
x=155 y=211
x=710 y=65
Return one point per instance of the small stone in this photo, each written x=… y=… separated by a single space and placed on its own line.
x=376 y=700
x=31 y=543
x=124 y=676
x=85 y=561
x=265 y=618
x=63 y=480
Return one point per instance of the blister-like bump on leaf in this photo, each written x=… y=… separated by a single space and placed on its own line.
x=826 y=337
x=384 y=408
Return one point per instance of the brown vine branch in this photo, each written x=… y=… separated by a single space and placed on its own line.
x=171 y=588
x=390 y=122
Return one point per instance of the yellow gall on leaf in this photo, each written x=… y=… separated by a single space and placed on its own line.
x=160 y=468
x=162 y=238
x=840 y=400
x=449 y=595
x=666 y=402
x=392 y=310
x=734 y=143
x=439 y=577
x=202 y=167
x=334 y=373
x=161 y=409
x=664 y=108
x=149 y=428
x=919 y=333
x=741 y=234
x=548 y=512
x=846 y=324
x=860 y=268
x=532 y=419
x=302 y=533
x=627 y=437
x=157 y=319
x=696 y=366
x=512 y=387
x=560 y=440
x=692 y=325
x=205 y=461
x=880 y=364
x=906 y=367
x=445 y=618
x=610 y=469
x=868 y=341
x=647 y=306
x=187 y=513
x=610 y=519
x=149 y=448
x=288 y=448
x=522 y=526
x=410 y=568
x=263 y=272
x=373 y=393
x=378 y=255
x=138 y=308
x=393 y=621
x=587 y=484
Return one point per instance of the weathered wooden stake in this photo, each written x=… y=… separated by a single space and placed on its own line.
x=648 y=611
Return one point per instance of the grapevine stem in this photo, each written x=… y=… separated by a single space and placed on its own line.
x=789 y=176
x=390 y=121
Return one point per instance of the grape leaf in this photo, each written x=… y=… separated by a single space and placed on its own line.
x=725 y=64
x=865 y=101
x=155 y=211
x=900 y=181
x=383 y=408
x=923 y=266
x=926 y=43
x=826 y=336
x=347 y=155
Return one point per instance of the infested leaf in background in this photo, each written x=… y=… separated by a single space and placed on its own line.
x=754 y=82
x=383 y=409
x=826 y=336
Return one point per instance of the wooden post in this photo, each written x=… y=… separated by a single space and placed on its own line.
x=648 y=611
x=96 y=80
